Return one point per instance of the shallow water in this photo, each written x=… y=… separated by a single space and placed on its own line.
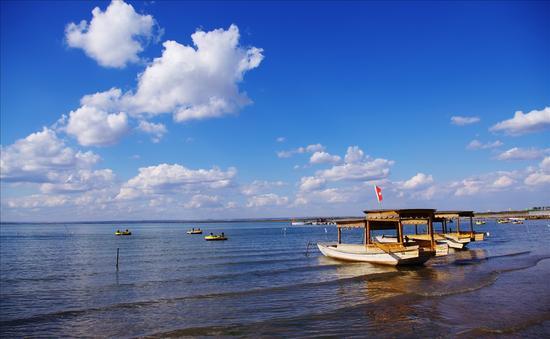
x=61 y=280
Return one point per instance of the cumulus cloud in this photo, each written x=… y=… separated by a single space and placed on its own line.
x=301 y=150
x=92 y=126
x=540 y=176
x=357 y=166
x=80 y=181
x=311 y=183
x=476 y=144
x=42 y=157
x=503 y=181
x=266 y=200
x=196 y=82
x=420 y=180
x=113 y=37
x=280 y=139
x=156 y=130
x=462 y=121
x=523 y=123
x=165 y=179
x=517 y=153
x=189 y=82
x=323 y=158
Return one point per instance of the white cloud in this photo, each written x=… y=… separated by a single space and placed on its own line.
x=80 y=181
x=204 y=201
x=420 y=180
x=476 y=144
x=462 y=121
x=468 y=186
x=541 y=176
x=196 y=82
x=156 y=130
x=301 y=150
x=357 y=166
x=517 y=153
x=503 y=181
x=523 y=123
x=106 y=101
x=189 y=82
x=281 y=139
x=311 y=183
x=354 y=154
x=113 y=37
x=538 y=179
x=92 y=126
x=165 y=178
x=42 y=157
x=323 y=158
x=260 y=186
x=37 y=201
x=545 y=164
x=266 y=199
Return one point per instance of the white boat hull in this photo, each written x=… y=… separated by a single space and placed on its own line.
x=362 y=253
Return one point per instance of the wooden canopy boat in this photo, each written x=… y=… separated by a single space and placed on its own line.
x=458 y=238
x=399 y=252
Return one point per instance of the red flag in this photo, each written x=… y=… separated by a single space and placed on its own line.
x=378 y=192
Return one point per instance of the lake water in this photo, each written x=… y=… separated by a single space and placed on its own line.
x=61 y=280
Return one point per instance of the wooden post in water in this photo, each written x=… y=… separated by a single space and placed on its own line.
x=117 y=250
x=471 y=227
x=339 y=235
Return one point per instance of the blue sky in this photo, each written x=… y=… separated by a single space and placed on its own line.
x=218 y=125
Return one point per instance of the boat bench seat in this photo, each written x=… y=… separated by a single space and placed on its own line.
x=394 y=247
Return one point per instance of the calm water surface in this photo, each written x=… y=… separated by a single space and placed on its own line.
x=61 y=280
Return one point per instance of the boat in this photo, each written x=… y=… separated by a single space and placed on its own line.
x=503 y=221
x=297 y=223
x=516 y=221
x=126 y=232
x=398 y=252
x=480 y=222
x=459 y=238
x=194 y=231
x=215 y=237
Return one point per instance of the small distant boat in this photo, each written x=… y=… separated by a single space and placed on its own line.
x=480 y=222
x=297 y=223
x=126 y=232
x=194 y=231
x=215 y=237
x=516 y=222
x=503 y=221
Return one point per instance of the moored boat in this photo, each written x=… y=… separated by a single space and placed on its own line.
x=126 y=232
x=194 y=231
x=215 y=237
x=398 y=252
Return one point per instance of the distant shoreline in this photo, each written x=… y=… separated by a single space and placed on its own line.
x=487 y=215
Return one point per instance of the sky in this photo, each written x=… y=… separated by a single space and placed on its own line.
x=192 y=110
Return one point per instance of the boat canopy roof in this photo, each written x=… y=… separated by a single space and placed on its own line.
x=406 y=216
x=357 y=222
x=453 y=214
